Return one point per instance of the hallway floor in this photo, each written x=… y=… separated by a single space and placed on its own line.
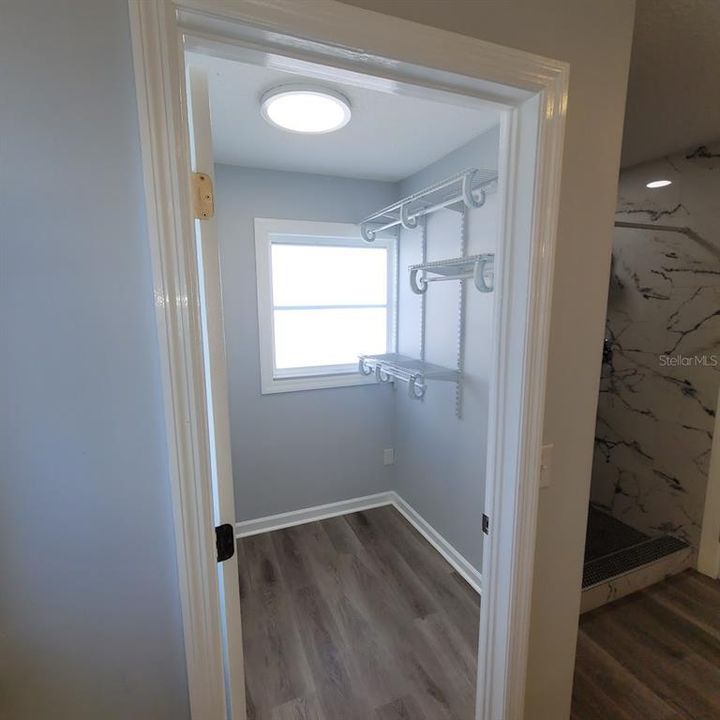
x=654 y=655
x=356 y=618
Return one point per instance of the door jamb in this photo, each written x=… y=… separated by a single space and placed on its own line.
x=708 y=562
x=522 y=320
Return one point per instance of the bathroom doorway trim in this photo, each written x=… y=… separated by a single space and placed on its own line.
x=709 y=551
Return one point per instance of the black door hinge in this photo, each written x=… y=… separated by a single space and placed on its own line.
x=224 y=542
x=486 y=524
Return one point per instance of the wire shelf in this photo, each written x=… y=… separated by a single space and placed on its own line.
x=393 y=366
x=478 y=267
x=467 y=188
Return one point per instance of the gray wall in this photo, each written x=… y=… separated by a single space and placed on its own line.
x=297 y=449
x=89 y=607
x=440 y=464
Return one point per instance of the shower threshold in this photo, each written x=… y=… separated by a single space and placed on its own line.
x=614 y=549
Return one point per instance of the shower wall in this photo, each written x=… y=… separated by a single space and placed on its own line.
x=659 y=388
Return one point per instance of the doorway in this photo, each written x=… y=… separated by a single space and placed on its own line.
x=530 y=139
x=357 y=304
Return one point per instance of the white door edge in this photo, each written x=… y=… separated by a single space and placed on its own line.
x=217 y=394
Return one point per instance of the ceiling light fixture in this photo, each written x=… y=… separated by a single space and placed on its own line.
x=659 y=183
x=305 y=109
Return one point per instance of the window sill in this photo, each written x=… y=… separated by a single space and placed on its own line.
x=316 y=382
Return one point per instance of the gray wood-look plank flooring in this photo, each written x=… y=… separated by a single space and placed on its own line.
x=654 y=655
x=356 y=618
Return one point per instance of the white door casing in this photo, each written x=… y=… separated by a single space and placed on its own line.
x=709 y=551
x=533 y=92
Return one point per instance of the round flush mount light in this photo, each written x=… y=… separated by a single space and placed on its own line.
x=305 y=109
x=659 y=183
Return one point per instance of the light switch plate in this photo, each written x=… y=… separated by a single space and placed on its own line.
x=388 y=456
x=546 y=465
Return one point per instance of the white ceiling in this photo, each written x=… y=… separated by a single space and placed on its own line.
x=388 y=138
x=674 y=88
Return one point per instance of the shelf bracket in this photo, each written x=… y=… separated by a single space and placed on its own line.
x=467 y=191
x=406 y=220
x=417 y=284
x=367 y=234
x=484 y=271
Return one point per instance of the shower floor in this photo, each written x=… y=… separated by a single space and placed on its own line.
x=613 y=548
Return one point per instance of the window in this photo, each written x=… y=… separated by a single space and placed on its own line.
x=324 y=297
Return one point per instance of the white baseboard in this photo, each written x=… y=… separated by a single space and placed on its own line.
x=345 y=507
x=311 y=514
x=461 y=565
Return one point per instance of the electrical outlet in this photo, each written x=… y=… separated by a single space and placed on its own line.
x=388 y=456
x=546 y=465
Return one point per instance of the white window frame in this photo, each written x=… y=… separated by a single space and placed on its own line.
x=304 y=232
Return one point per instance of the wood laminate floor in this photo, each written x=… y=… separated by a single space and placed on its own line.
x=356 y=618
x=654 y=655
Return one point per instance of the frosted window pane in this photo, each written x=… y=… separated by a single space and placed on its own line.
x=312 y=338
x=322 y=275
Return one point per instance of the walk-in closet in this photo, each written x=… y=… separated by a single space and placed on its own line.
x=357 y=261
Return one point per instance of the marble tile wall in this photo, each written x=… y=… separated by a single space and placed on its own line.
x=659 y=389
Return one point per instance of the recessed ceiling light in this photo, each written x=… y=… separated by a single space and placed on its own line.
x=659 y=183
x=305 y=109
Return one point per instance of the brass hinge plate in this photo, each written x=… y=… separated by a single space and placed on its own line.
x=203 y=198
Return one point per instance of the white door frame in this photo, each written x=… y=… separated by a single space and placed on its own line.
x=708 y=561
x=533 y=90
